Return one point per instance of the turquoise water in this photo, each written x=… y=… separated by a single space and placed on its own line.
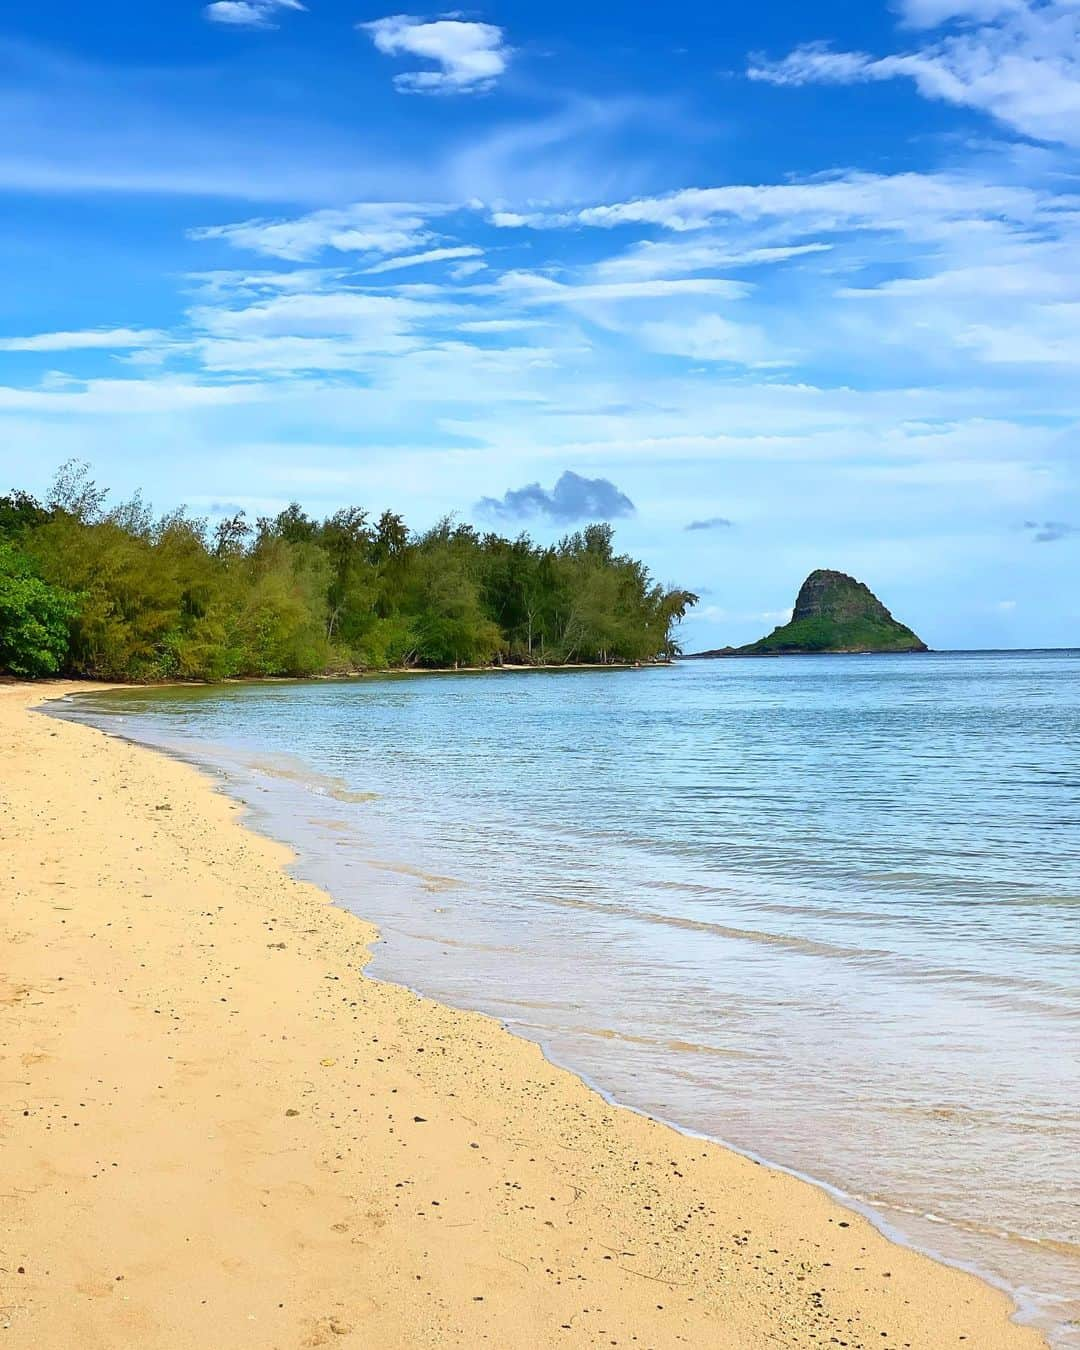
x=824 y=909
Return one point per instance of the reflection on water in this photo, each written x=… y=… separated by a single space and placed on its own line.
x=827 y=909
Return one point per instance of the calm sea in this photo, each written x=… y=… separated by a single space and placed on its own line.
x=824 y=909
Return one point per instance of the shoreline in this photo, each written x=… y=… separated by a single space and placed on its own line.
x=255 y=817
x=90 y=683
x=885 y=1218
x=785 y=1275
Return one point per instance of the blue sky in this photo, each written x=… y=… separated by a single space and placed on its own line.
x=782 y=287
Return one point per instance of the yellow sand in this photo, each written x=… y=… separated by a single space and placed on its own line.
x=216 y=1132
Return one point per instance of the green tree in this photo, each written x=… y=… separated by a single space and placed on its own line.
x=75 y=493
x=35 y=618
x=282 y=619
x=354 y=578
x=20 y=512
x=164 y=598
x=453 y=628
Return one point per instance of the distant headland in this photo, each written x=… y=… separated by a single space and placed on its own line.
x=833 y=613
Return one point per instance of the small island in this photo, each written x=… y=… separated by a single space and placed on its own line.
x=833 y=613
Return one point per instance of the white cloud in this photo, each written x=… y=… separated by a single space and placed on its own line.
x=1024 y=271
x=320 y=330
x=649 y=259
x=365 y=227
x=932 y=13
x=271 y=356
x=989 y=292
x=500 y=325
x=818 y=63
x=432 y=255
x=947 y=252
x=380 y=320
x=110 y=397
x=532 y=289
x=103 y=339
x=848 y=200
x=710 y=337
x=1018 y=62
x=1048 y=336
x=312 y=346
x=470 y=56
x=248 y=13
x=468 y=269
x=225 y=282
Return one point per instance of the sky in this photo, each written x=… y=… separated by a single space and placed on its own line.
x=771 y=287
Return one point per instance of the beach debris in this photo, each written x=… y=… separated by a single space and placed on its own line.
x=292 y=1111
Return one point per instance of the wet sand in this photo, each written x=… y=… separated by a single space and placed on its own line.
x=217 y=1132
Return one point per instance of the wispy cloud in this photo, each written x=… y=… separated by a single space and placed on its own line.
x=232 y=282
x=432 y=255
x=104 y=339
x=249 y=13
x=710 y=523
x=1050 y=531
x=379 y=322
x=364 y=227
x=533 y=289
x=847 y=200
x=131 y=397
x=711 y=337
x=986 y=265
x=649 y=258
x=1037 y=335
x=932 y=13
x=470 y=56
x=500 y=325
x=1018 y=61
x=572 y=498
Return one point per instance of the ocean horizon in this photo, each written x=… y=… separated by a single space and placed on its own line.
x=824 y=912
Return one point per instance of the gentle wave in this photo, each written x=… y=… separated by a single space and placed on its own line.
x=872 y=958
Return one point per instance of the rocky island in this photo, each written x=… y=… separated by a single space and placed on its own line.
x=833 y=613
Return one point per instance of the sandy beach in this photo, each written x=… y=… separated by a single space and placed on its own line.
x=216 y=1131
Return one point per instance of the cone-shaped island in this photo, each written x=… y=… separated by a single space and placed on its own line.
x=833 y=613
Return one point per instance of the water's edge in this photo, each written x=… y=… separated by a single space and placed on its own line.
x=221 y=780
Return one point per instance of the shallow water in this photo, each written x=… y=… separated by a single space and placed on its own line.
x=825 y=909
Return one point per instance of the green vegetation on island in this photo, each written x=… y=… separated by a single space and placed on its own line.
x=117 y=593
x=833 y=613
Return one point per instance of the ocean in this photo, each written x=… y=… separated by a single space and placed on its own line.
x=823 y=909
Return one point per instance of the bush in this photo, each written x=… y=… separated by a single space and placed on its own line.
x=35 y=618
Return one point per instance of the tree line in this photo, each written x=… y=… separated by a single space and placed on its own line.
x=118 y=593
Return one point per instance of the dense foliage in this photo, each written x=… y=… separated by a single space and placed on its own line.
x=821 y=634
x=35 y=618
x=117 y=593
